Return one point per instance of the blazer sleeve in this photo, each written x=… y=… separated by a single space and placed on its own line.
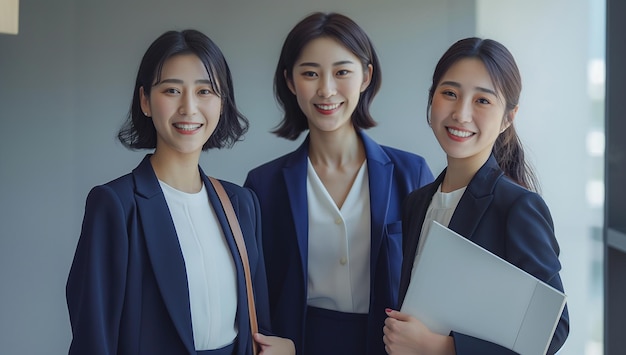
x=95 y=285
x=532 y=246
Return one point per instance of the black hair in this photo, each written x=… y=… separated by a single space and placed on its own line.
x=347 y=33
x=504 y=73
x=138 y=130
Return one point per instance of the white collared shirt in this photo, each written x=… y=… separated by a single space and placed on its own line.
x=211 y=275
x=339 y=246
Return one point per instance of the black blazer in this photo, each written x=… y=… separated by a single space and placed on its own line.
x=502 y=217
x=127 y=288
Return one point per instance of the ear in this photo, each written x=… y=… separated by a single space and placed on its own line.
x=289 y=82
x=367 y=77
x=145 y=102
x=509 y=118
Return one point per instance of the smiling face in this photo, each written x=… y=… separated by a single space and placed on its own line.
x=183 y=106
x=327 y=81
x=468 y=112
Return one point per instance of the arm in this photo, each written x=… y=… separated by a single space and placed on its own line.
x=268 y=344
x=95 y=285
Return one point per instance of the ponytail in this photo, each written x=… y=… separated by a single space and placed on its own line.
x=509 y=154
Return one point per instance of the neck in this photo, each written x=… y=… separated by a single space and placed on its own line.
x=337 y=148
x=180 y=172
x=460 y=172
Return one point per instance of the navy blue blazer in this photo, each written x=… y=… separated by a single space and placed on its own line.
x=502 y=217
x=281 y=188
x=127 y=288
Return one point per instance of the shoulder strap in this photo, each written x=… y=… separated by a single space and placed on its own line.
x=241 y=246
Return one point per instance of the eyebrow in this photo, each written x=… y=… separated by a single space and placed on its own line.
x=179 y=81
x=479 y=88
x=317 y=65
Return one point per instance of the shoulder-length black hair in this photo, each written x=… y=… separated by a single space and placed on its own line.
x=505 y=75
x=138 y=130
x=346 y=32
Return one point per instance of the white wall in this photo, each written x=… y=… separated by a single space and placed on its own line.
x=65 y=86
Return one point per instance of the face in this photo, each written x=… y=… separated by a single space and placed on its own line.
x=327 y=81
x=183 y=106
x=467 y=112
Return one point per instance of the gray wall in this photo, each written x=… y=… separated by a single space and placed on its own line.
x=65 y=86
x=66 y=81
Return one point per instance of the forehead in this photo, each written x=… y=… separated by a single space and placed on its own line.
x=326 y=50
x=470 y=72
x=184 y=65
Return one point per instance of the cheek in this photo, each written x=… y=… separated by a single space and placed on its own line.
x=438 y=110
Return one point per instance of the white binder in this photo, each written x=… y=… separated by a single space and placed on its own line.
x=458 y=285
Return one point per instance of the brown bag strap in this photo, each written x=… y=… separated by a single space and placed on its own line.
x=241 y=246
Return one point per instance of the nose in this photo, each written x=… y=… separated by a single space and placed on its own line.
x=327 y=87
x=462 y=111
x=188 y=105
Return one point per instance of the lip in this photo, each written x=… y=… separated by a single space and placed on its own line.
x=459 y=134
x=187 y=127
x=328 y=108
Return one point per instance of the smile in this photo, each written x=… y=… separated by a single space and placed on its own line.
x=328 y=107
x=458 y=133
x=187 y=126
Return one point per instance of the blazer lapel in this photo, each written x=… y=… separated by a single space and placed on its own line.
x=295 y=175
x=476 y=199
x=164 y=250
x=380 y=170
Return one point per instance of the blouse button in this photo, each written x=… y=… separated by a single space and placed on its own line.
x=343 y=261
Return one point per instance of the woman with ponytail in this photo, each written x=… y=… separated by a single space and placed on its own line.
x=487 y=193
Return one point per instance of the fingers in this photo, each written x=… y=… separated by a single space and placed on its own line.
x=262 y=339
x=397 y=315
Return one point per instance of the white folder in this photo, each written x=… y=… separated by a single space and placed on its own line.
x=459 y=286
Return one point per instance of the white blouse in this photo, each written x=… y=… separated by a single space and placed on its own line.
x=441 y=209
x=211 y=274
x=339 y=246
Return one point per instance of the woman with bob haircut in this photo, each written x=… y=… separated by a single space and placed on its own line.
x=156 y=268
x=331 y=208
x=487 y=193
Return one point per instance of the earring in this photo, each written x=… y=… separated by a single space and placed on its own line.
x=146 y=114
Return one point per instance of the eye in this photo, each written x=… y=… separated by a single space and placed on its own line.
x=484 y=101
x=448 y=93
x=343 y=72
x=205 y=92
x=172 y=91
x=309 y=74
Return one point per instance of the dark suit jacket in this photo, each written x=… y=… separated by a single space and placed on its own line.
x=127 y=288
x=502 y=217
x=281 y=188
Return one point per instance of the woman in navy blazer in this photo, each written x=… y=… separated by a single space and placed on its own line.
x=138 y=283
x=327 y=75
x=486 y=193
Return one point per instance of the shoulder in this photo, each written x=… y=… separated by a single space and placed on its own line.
x=508 y=193
x=236 y=190
x=274 y=165
x=403 y=157
x=121 y=189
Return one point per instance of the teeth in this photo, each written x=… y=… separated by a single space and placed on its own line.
x=328 y=107
x=462 y=134
x=187 y=126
